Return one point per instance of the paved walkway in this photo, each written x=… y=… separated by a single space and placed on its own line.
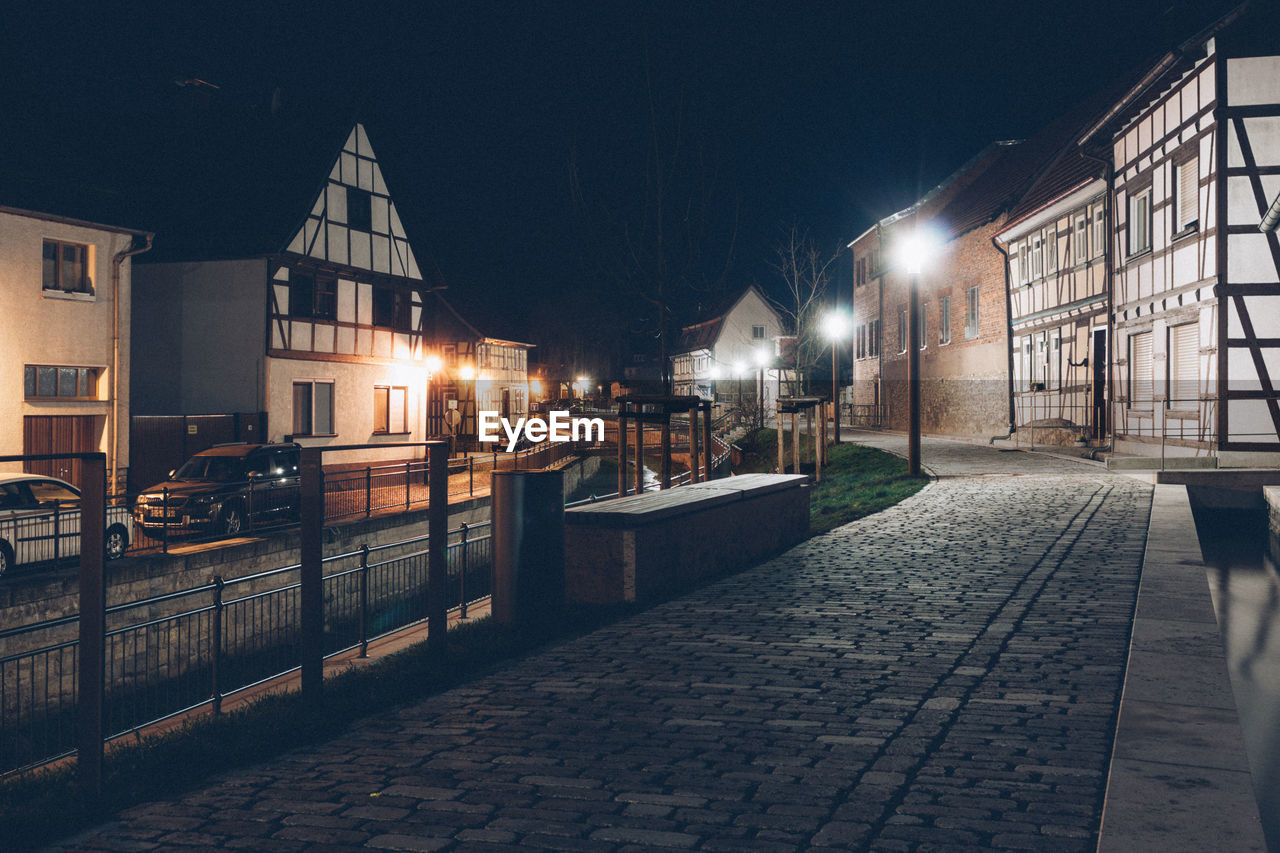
x=943 y=675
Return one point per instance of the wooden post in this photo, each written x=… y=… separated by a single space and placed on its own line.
x=795 y=442
x=809 y=432
x=639 y=455
x=666 y=451
x=93 y=622
x=311 y=591
x=622 y=450
x=782 y=465
x=437 y=546
x=820 y=448
x=693 y=445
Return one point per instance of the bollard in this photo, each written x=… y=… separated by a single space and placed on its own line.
x=528 y=546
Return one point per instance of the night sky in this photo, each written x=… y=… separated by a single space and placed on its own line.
x=820 y=115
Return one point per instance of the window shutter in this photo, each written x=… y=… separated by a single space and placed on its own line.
x=1141 y=382
x=1188 y=193
x=1184 y=365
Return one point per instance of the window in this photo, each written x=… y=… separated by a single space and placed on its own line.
x=1184 y=366
x=392 y=308
x=1051 y=250
x=1141 y=383
x=1098 y=242
x=1140 y=221
x=922 y=319
x=359 y=209
x=757 y=333
x=390 y=410
x=313 y=408
x=302 y=290
x=944 y=320
x=861 y=339
x=65 y=382
x=875 y=338
x=1037 y=256
x=971 y=314
x=1186 y=200
x=1080 y=247
x=66 y=268
x=1024 y=263
x=902 y=330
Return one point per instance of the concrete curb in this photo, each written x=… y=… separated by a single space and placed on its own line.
x=1179 y=777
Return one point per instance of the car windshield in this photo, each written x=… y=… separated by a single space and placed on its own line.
x=219 y=469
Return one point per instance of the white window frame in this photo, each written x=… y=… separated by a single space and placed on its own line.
x=1138 y=226
x=971 y=328
x=1186 y=195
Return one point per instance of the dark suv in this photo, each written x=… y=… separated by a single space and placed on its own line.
x=224 y=489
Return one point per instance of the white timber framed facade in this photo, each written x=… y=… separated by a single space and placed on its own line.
x=1194 y=152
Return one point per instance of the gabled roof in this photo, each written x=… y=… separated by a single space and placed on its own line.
x=704 y=334
x=1030 y=172
x=1146 y=88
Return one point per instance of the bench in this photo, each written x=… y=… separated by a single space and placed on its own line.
x=646 y=546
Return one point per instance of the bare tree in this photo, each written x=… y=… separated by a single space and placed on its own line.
x=806 y=274
x=658 y=249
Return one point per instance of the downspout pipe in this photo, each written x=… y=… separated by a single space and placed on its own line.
x=1008 y=320
x=135 y=248
x=1272 y=219
x=1108 y=256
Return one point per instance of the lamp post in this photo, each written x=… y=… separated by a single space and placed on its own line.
x=762 y=358
x=836 y=325
x=914 y=253
x=739 y=370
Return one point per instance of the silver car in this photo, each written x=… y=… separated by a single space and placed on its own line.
x=40 y=520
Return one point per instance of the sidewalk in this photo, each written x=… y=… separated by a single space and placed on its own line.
x=946 y=672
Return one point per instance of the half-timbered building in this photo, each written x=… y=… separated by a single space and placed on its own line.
x=731 y=355
x=321 y=318
x=1194 y=152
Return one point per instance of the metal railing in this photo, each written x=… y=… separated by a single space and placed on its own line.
x=172 y=654
x=348 y=493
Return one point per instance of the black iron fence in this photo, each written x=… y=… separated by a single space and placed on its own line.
x=166 y=516
x=175 y=653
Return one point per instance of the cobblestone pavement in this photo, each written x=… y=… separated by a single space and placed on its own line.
x=943 y=675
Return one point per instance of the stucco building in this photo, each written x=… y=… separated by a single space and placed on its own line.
x=64 y=339
x=732 y=352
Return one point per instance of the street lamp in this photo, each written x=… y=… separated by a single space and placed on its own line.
x=913 y=253
x=762 y=359
x=836 y=325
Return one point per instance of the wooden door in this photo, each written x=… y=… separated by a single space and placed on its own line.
x=53 y=434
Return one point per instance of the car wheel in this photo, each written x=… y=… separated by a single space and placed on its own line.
x=6 y=556
x=231 y=520
x=117 y=540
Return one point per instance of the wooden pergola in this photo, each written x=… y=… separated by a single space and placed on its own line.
x=658 y=409
x=794 y=406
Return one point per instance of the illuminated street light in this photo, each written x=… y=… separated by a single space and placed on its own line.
x=836 y=326
x=914 y=253
x=762 y=360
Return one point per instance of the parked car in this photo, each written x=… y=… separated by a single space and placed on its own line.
x=224 y=489
x=40 y=520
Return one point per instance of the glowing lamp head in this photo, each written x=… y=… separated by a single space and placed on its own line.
x=739 y=368
x=467 y=372
x=715 y=371
x=535 y=385
x=916 y=250
x=432 y=364
x=835 y=325
x=761 y=356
